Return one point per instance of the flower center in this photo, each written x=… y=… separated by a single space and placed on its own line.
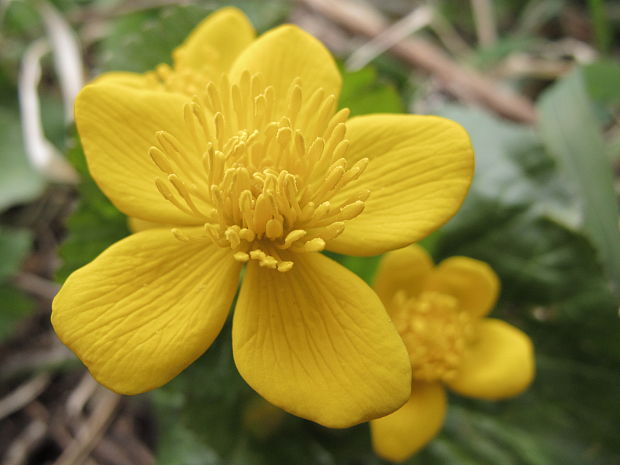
x=273 y=173
x=435 y=332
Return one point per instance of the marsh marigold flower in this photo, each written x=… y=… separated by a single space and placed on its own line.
x=440 y=314
x=236 y=155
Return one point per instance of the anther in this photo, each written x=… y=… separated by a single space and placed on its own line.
x=285 y=266
x=315 y=245
x=294 y=102
x=179 y=235
x=350 y=211
x=232 y=235
x=332 y=231
x=341 y=149
x=241 y=256
x=292 y=237
x=274 y=229
x=163 y=189
x=247 y=234
x=218 y=120
x=284 y=136
x=340 y=117
x=160 y=159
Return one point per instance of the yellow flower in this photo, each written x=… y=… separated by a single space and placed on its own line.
x=258 y=168
x=209 y=50
x=439 y=312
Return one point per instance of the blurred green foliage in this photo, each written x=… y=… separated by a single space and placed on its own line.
x=140 y=41
x=522 y=216
x=14 y=305
x=93 y=226
x=363 y=93
x=529 y=215
x=19 y=182
x=571 y=132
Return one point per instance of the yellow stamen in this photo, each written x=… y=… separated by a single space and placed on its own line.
x=435 y=331
x=271 y=174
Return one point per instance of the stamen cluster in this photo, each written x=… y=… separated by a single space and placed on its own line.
x=435 y=331
x=272 y=169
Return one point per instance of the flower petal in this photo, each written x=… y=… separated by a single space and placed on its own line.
x=402 y=433
x=136 y=225
x=285 y=53
x=145 y=308
x=317 y=342
x=474 y=283
x=216 y=42
x=124 y=78
x=499 y=364
x=117 y=126
x=419 y=171
x=402 y=270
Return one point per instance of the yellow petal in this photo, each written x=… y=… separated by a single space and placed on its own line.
x=285 y=53
x=474 y=283
x=137 y=225
x=117 y=126
x=145 y=308
x=216 y=42
x=316 y=342
x=419 y=171
x=402 y=433
x=124 y=78
x=402 y=270
x=498 y=364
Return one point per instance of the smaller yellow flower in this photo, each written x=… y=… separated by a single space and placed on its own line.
x=208 y=52
x=439 y=312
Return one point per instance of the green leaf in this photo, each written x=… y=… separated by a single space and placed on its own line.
x=363 y=93
x=364 y=267
x=19 y=182
x=545 y=425
x=14 y=247
x=93 y=226
x=493 y=54
x=602 y=81
x=519 y=217
x=569 y=129
x=512 y=167
x=602 y=30
x=140 y=41
x=14 y=306
x=209 y=416
x=539 y=261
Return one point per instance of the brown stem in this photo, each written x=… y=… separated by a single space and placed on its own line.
x=465 y=84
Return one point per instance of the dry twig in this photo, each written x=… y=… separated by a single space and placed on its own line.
x=43 y=359
x=414 y=21
x=92 y=430
x=23 y=395
x=20 y=448
x=486 y=30
x=78 y=398
x=463 y=83
x=36 y=285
